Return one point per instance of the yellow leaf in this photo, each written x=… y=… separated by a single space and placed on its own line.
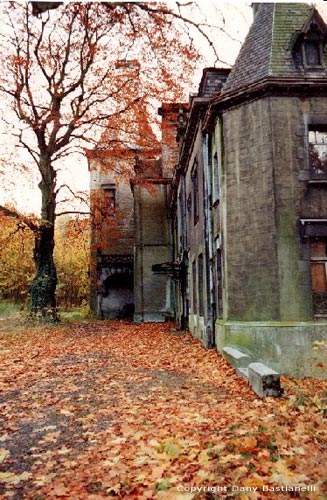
x=11 y=478
x=171 y=449
x=67 y=413
x=253 y=481
x=203 y=457
x=3 y=454
x=90 y=416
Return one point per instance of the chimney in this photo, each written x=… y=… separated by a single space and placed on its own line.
x=255 y=7
x=171 y=116
x=212 y=81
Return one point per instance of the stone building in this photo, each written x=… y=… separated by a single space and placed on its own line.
x=191 y=208
x=130 y=228
x=225 y=228
x=154 y=299
x=112 y=236
x=251 y=190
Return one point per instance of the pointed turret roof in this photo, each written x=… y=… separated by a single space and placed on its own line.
x=268 y=50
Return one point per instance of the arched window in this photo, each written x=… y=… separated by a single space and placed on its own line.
x=312 y=53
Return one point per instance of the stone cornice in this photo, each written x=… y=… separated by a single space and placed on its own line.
x=290 y=87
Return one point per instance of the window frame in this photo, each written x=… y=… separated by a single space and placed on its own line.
x=109 y=202
x=319 y=46
x=316 y=176
x=195 y=193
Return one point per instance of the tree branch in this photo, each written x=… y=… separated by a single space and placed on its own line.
x=10 y=212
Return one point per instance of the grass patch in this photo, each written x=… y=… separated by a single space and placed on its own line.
x=73 y=315
x=9 y=309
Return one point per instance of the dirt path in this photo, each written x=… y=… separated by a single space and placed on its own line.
x=115 y=410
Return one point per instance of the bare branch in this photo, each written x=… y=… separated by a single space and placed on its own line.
x=67 y=212
x=10 y=212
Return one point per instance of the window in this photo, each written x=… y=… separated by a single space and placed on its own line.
x=215 y=179
x=309 y=45
x=318 y=257
x=182 y=228
x=318 y=152
x=312 y=53
x=219 y=285
x=109 y=199
x=194 y=289
x=189 y=203
x=200 y=271
x=195 y=191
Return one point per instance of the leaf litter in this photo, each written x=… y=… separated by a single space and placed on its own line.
x=116 y=410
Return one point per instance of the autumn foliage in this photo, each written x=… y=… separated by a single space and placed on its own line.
x=17 y=267
x=79 y=75
x=115 y=410
x=16 y=260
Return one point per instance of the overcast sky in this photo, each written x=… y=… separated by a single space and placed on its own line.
x=23 y=191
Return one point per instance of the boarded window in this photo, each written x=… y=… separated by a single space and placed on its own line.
x=195 y=191
x=200 y=271
x=219 y=283
x=215 y=179
x=109 y=199
x=318 y=256
x=194 y=289
x=312 y=53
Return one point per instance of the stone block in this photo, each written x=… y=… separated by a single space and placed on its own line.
x=235 y=357
x=264 y=381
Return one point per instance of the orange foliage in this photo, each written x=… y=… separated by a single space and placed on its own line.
x=72 y=262
x=16 y=259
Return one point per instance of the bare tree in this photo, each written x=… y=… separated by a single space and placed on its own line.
x=77 y=73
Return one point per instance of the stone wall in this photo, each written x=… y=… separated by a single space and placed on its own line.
x=198 y=292
x=249 y=228
x=266 y=192
x=151 y=246
x=288 y=347
x=268 y=311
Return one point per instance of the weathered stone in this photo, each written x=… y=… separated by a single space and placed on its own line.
x=243 y=372
x=264 y=381
x=235 y=357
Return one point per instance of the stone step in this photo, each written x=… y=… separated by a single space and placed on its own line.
x=264 y=380
x=235 y=357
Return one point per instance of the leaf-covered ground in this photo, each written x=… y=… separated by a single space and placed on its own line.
x=115 y=410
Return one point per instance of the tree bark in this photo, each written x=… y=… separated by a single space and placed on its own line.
x=43 y=286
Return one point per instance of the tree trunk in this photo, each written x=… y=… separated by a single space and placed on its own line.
x=43 y=286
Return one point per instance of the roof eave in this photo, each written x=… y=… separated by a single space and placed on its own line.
x=271 y=85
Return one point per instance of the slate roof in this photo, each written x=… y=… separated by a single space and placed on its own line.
x=267 y=50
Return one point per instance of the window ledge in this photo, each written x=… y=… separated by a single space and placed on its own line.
x=317 y=181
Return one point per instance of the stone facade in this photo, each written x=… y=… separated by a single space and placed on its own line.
x=112 y=237
x=256 y=254
x=230 y=224
x=154 y=293
x=130 y=229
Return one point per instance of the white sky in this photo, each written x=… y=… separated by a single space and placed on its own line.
x=22 y=190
